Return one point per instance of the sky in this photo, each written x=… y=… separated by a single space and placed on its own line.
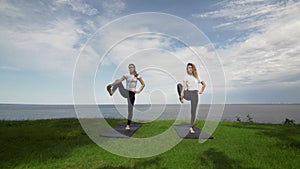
x=254 y=43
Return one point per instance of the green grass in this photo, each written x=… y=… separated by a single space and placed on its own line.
x=63 y=144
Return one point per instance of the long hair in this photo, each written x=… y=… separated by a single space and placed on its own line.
x=194 y=70
x=135 y=73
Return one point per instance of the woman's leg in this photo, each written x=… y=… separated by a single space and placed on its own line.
x=194 y=105
x=130 y=101
x=179 y=89
x=121 y=88
x=186 y=96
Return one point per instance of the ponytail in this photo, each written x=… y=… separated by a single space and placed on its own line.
x=135 y=73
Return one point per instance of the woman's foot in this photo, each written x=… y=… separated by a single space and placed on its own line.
x=192 y=131
x=180 y=99
x=108 y=88
x=127 y=127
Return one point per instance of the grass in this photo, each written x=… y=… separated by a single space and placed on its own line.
x=62 y=143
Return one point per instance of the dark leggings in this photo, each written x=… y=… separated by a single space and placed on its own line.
x=190 y=96
x=130 y=95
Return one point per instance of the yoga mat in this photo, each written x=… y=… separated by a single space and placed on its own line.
x=184 y=132
x=120 y=132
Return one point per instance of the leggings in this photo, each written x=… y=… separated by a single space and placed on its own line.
x=130 y=95
x=192 y=96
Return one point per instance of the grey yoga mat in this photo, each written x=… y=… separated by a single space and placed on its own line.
x=183 y=132
x=120 y=132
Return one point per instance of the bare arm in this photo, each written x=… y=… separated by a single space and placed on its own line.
x=118 y=81
x=142 y=85
x=203 y=87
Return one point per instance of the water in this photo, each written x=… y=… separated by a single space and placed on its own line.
x=263 y=113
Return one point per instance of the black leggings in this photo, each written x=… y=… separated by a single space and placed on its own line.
x=190 y=96
x=130 y=95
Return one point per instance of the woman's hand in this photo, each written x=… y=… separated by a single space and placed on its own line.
x=203 y=87
x=142 y=86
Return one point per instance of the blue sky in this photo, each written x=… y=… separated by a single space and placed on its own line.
x=257 y=43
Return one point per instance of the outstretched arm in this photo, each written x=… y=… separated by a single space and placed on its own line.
x=142 y=86
x=203 y=87
x=118 y=81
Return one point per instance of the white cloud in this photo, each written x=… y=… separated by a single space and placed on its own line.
x=9 y=68
x=79 y=6
x=47 y=45
x=7 y=9
x=112 y=7
x=245 y=14
x=267 y=57
x=43 y=50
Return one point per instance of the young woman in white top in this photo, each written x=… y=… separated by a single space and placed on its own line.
x=189 y=90
x=130 y=91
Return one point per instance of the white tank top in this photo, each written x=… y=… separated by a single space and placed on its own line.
x=131 y=82
x=191 y=82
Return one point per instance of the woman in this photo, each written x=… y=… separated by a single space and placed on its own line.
x=189 y=91
x=130 y=91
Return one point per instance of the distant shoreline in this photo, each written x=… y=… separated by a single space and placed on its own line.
x=110 y=119
x=48 y=104
x=261 y=113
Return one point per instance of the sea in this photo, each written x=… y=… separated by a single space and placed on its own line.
x=260 y=113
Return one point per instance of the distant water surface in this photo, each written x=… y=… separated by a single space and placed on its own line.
x=265 y=113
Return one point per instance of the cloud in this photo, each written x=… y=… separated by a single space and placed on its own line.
x=113 y=7
x=48 y=42
x=79 y=6
x=9 y=68
x=268 y=56
x=49 y=49
x=7 y=9
x=245 y=14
